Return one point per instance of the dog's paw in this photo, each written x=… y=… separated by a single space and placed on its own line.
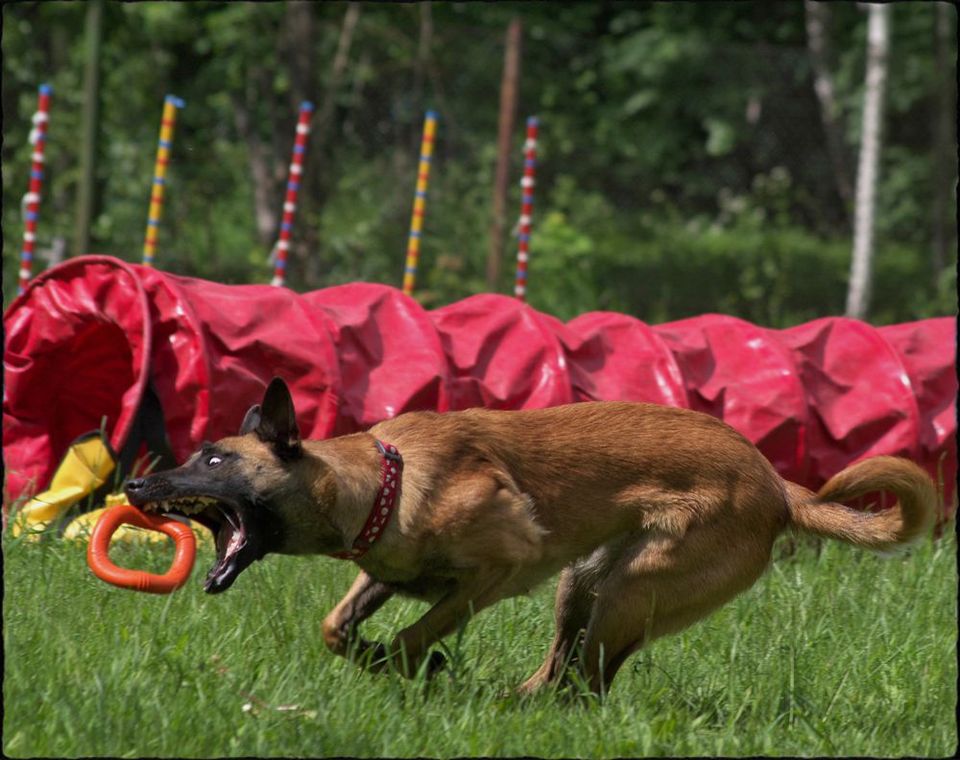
x=436 y=662
x=371 y=656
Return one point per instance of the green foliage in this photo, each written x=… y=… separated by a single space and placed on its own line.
x=750 y=260
x=835 y=652
x=682 y=165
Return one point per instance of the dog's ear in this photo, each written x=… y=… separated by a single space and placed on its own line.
x=251 y=420
x=275 y=420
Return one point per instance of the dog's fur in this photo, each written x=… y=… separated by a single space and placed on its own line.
x=654 y=517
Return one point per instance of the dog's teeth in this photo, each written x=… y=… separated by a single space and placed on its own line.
x=189 y=505
x=229 y=518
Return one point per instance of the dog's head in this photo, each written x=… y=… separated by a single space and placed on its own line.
x=255 y=491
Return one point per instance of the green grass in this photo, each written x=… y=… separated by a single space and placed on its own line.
x=844 y=653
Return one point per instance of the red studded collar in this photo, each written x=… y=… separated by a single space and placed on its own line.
x=391 y=471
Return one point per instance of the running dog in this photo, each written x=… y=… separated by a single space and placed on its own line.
x=653 y=516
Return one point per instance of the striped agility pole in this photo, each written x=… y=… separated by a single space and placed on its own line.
x=170 y=105
x=290 y=201
x=419 y=202
x=526 y=207
x=38 y=138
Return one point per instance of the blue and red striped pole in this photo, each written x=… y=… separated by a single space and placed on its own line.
x=38 y=138
x=293 y=185
x=526 y=207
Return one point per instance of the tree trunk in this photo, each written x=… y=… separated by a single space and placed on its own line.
x=423 y=59
x=312 y=192
x=297 y=41
x=299 y=34
x=861 y=269
x=266 y=199
x=340 y=58
x=944 y=140
x=91 y=127
x=508 y=110
x=59 y=202
x=821 y=56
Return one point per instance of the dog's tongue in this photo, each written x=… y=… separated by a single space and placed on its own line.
x=222 y=575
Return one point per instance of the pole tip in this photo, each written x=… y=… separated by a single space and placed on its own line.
x=306 y=106
x=431 y=114
x=45 y=89
x=533 y=121
x=178 y=102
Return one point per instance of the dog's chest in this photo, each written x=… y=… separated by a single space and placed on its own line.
x=427 y=587
x=427 y=580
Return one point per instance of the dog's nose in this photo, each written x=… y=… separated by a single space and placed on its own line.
x=133 y=485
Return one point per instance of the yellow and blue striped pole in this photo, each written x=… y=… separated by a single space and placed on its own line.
x=170 y=105
x=419 y=202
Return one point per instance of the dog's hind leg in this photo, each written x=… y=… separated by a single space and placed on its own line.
x=663 y=585
x=572 y=613
x=576 y=591
x=365 y=597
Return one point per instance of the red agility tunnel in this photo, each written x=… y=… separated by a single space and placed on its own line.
x=860 y=397
x=93 y=339
x=921 y=347
x=389 y=355
x=502 y=354
x=747 y=377
x=89 y=337
x=76 y=356
x=215 y=347
x=620 y=358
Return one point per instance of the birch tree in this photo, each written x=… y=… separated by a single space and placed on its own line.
x=861 y=268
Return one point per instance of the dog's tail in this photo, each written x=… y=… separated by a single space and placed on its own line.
x=909 y=519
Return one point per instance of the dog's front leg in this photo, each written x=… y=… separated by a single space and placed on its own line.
x=411 y=644
x=365 y=597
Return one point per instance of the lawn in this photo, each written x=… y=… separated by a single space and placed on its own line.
x=836 y=652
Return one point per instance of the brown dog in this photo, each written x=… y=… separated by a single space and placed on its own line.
x=654 y=516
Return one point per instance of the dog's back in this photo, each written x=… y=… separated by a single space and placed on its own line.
x=596 y=470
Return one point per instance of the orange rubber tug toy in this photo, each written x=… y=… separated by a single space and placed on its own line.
x=99 y=559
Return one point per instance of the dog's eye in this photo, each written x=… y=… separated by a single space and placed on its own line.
x=213 y=460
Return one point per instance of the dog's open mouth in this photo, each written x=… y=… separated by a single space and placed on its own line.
x=230 y=529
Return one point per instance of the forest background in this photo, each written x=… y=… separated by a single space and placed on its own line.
x=690 y=159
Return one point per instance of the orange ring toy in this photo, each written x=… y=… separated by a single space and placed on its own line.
x=99 y=559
